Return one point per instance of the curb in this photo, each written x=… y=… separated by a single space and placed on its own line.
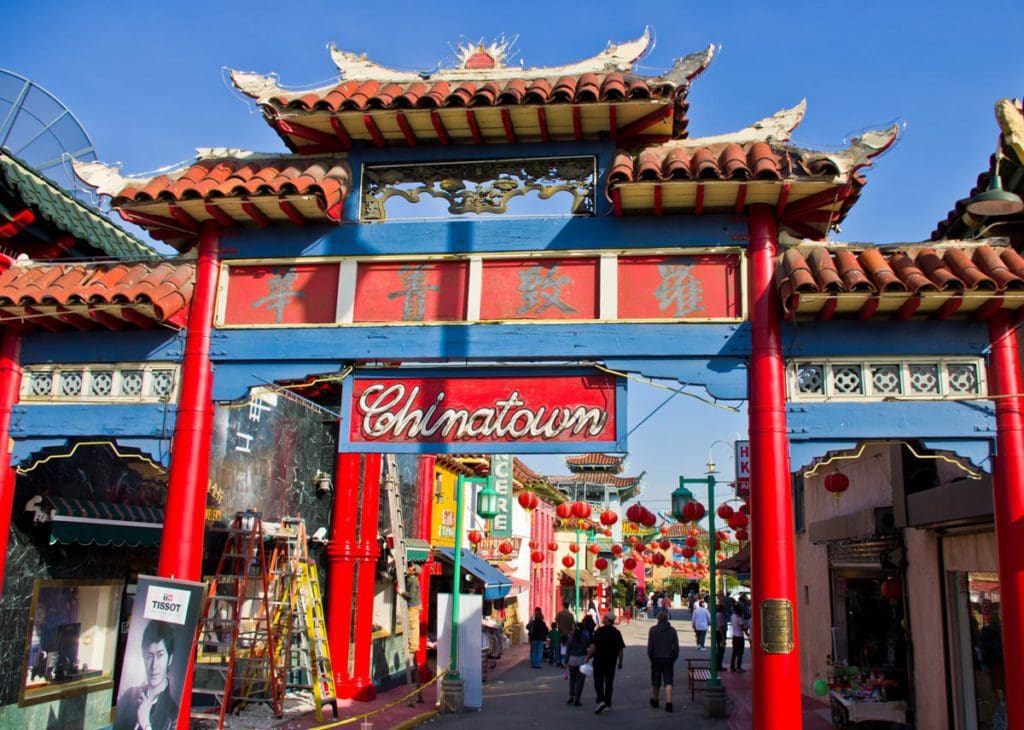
x=414 y=721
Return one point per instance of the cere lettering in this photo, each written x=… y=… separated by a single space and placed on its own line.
x=414 y=281
x=540 y=290
x=679 y=289
x=388 y=413
x=281 y=286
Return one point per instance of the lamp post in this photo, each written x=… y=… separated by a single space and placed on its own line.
x=451 y=685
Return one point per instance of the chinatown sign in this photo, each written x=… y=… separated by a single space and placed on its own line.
x=484 y=411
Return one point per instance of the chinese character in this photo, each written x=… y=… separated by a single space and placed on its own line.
x=540 y=290
x=679 y=290
x=247 y=438
x=282 y=291
x=414 y=279
x=256 y=408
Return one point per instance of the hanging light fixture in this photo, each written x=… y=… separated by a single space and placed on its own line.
x=487 y=501
x=995 y=200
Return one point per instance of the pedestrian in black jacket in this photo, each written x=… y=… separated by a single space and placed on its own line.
x=662 y=650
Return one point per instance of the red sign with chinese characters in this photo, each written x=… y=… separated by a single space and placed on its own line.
x=472 y=411
x=291 y=294
x=539 y=289
x=412 y=291
x=679 y=287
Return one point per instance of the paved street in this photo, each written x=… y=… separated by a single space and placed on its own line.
x=535 y=698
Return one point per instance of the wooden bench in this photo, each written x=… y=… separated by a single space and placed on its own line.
x=698 y=672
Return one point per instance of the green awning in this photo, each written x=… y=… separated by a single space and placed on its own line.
x=84 y=522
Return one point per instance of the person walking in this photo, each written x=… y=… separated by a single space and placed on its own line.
x=739 y=628
x=537 y=632
x=576 y=655
x=605 y=651
x=721 y=621
x=700 y=620
x=662 y=650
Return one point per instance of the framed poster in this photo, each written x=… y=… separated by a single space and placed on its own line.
x=72 y=639
x=165 y=617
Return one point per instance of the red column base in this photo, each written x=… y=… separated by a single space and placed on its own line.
x=354 y=690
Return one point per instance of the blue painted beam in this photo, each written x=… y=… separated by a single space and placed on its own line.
x=926 y=338
x=486 y=235
x=142 y=420
x=100 y=347
x=723 y=377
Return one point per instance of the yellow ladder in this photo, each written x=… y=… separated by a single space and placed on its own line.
x=319 y=655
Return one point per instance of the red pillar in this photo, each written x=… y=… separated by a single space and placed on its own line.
x=425 y=477
x=181 y=545
x=354 y=563
x=776 y=702
x=1008 y=501
x=10 y=385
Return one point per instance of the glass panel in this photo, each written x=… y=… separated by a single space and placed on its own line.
x=42 y=383
x=102 y=382
x=885 y=379
x=847 y=379
x=963 y=378
x=163 y=381
x=131 y=382
x=987 y=650
x=924 y=379
x=810 y=378
x=71 y=382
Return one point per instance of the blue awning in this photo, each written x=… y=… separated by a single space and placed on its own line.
x=105 y=524
x=496 y=584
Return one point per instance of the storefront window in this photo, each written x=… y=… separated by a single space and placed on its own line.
x=986 y=650
x=72 y=638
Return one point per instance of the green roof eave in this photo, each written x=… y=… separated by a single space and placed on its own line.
x=67 y=213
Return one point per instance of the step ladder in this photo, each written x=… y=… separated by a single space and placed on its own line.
x=392 y=490
x=234 y=664
x=303 y=655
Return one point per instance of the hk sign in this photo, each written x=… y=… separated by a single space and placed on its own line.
x=742 y=468
x=484 y=411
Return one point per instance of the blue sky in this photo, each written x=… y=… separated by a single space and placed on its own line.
x=147 y=82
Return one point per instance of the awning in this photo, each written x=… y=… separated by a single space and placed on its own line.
x=496 y=585
x=587 y=579
x=737 y=564
x=83 y=522
x=416 y=551
x=519 y=585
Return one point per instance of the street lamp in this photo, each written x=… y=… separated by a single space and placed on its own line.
x=451 y=685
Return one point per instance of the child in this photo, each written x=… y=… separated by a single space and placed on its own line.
x=554 y=645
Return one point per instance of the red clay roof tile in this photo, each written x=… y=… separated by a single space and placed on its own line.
x=160 y=291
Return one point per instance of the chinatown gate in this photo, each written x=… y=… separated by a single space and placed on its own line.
x=473 y=259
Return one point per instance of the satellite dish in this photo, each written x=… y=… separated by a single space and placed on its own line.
x=37 y=128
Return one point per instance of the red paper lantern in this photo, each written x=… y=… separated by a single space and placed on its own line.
x=837 y=482
x=553 y=546
x=741 y=535
x=664 y=529
x=574 y=548
x=568 y=561
x=581 y=510
x=616 y=550
x=528 y=501
x=475 y=537
x=691 y=541
x=745 y=509
x=629 y=563
x=594 y=549
x=633 y=539
x=533 y=544
x=699 y=554
x=537 y=556
x=892 y=590
x=609 y=518
x=665 y=544
x=564 y=511
x=658 y=559
x=607 y=533
x=584 y=525
x=505 y=548
x=635 y=512
x=724 y=511
x=693 y=511
x=649 y=519
x=720 y=556
x=687 y=552
x=639 y=547
x=600 y=563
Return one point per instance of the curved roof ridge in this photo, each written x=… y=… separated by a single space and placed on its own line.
x=776 y=127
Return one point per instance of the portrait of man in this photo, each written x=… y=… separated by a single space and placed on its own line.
x=150 y=705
